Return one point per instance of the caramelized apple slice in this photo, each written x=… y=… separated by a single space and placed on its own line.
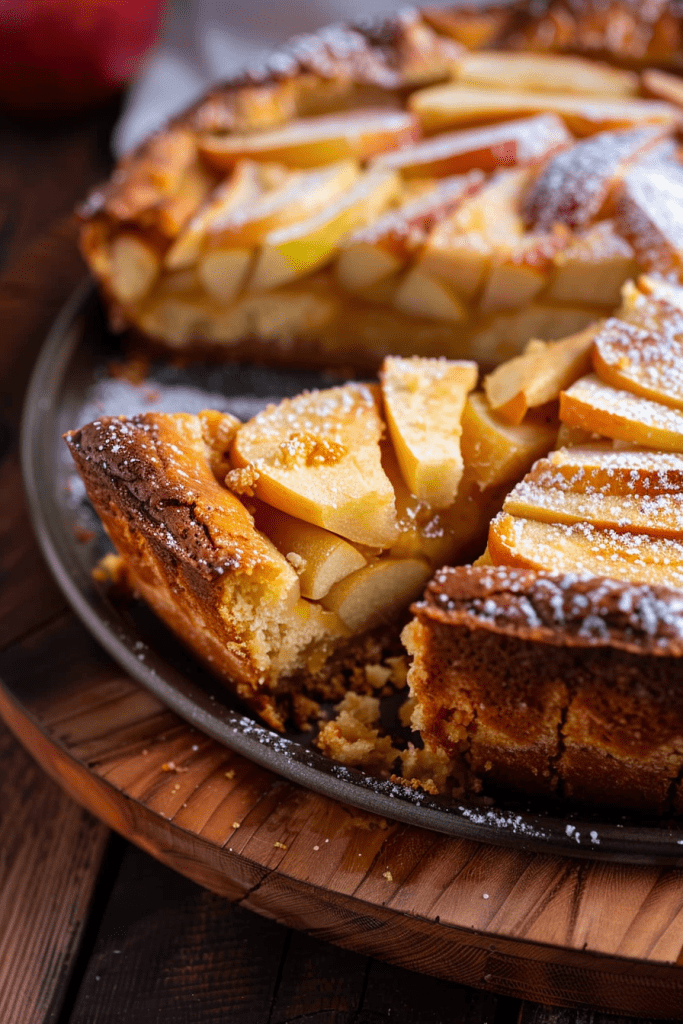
x=576 y=184
x=378 y=592
x=646 y=362
x=295 y=250
x=657 y=516
x=648 y=214
x=593 y=267
x=317 y=457
x=315 y=141
x=524 y=141
x=459 y=250
x=443 y=106
x=472 y=26
x=599 y=468
x=373 y=253
x=581 y=548
x=134 y=266
x=442 y=537
x=533 y=72
x=422 y=295
x=301 y=195
x=538 y=376
x=224 y=272
x=242 y=187
x=595 y=406
x=423 y=404
x=496 y=452
x=663 y=86
x=320 y=558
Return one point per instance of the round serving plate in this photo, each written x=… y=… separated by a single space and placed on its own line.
x=78 y=376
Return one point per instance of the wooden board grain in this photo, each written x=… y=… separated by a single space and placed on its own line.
x=50 y=855
x=522 y=924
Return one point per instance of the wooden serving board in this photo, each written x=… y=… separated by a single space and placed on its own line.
x=555 y=930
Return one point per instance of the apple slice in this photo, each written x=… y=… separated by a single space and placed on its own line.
x=581 y=548
x=443 y=106
x=538 y=376
x=378 y=592
x=593 y=267
x=224 y=272
x=663 y=86
x=658 y=516
x=301 y=195
x=524 y=141
x=595 y=406
x=315 y=141
x=320 y=558
x=423 y=296
x=442 y=537
x=598 y=468
x=541 y=72
x=648 y=213
x=317 y=457
x=575 y=186
x=496 y=452
x=373 y=253
x=242 y=187
x=646 y=359
x=134 y=266
x=460 y=249
x=295 y=250
x=516 y=276
x=473 y=27
x=423 y=403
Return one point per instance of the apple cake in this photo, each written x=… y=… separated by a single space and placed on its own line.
x=449 y=183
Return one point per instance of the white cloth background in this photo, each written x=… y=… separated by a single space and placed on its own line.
x=204 y=41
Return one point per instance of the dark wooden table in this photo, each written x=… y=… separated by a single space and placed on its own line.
x=92 y=929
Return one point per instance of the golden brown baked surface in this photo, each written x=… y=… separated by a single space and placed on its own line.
x=385 y=189
x=559 y=686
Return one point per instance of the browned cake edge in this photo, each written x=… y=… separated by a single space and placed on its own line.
x=559 y=686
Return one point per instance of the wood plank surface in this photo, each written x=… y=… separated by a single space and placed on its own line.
x=51 y=851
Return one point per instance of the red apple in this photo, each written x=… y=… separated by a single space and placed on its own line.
x=64 y=55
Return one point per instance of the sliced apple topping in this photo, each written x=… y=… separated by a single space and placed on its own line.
x=423 y=402
x=599 y=468
x=134 y=265
x=496 y=452
x=460 y=249
x=317 y=457
x=224 y=272
x=319 y=558
x=295 y=250
x=648 y=214
x=576 y=184
x=659 y=515
x=423 y=296
x=593 y=267
x=243 y=186
x=378 y=592
x=647 y=360
x=596 y=406
x=300 y=195
x=663 y=86
x=524 y=141
x=315 y=141
x=583 y=548
x=373 y=253
x=444 y=106
x=534 y=72
x=538 y=375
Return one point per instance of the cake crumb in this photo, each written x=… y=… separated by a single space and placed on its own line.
x=230 y=774
x=388 y=875
x=236 y=824
x=279 y=846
